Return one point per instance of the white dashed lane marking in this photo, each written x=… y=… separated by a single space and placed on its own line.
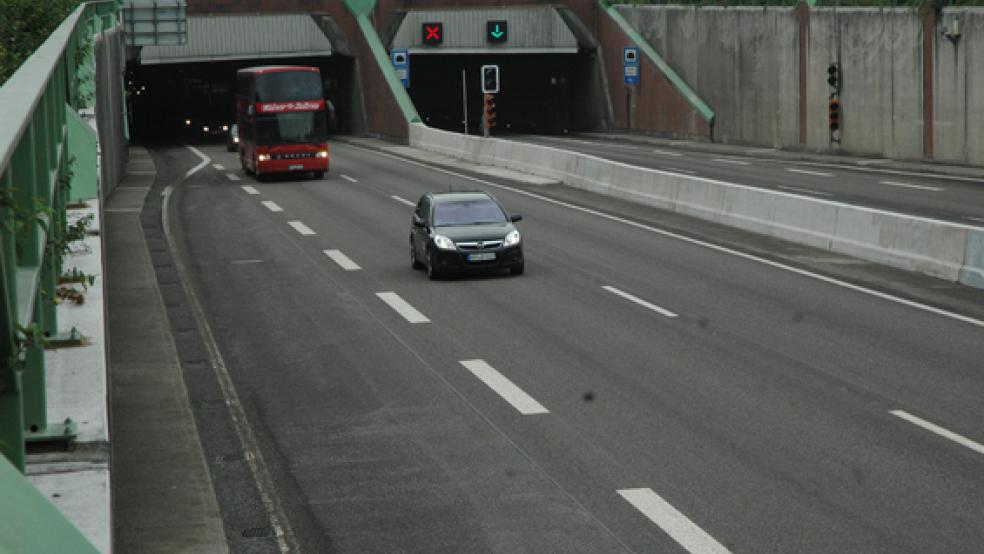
x=640 y=301
x=730 y=161
x=250 y=190
x=911 y=186
x=342 y=260
x=350 y=179
x=232 y=176
x=807 y=172
x=219 y=167
x=505 y=388
x=402 y=307
x=667 y=153
x=933 y=428
x=685 y=532
x=272 y=206
x=301 y=228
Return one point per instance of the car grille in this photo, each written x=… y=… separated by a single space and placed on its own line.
x=479 y=245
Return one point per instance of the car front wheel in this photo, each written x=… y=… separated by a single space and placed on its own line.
x=414 y=262
x=517 y=269
x=432 y=272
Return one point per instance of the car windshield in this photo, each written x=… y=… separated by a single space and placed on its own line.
x=470 y=212
x=287 y=128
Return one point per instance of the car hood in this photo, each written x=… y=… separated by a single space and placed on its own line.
x=487 y=231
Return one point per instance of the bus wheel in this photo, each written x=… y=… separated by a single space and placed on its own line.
x=318 y=174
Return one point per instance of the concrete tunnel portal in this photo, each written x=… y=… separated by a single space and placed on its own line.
x=176 y=92
x=550 y=76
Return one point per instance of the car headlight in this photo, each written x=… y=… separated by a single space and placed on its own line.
x=235 y=139
x=323 y=154
x=205 y=128
x=225 y=127
x=444 y=243
x=263 y=157
x=512 y=238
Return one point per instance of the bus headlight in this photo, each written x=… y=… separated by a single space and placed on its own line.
x=225 y=127
x=263 y=157
x=323 y=154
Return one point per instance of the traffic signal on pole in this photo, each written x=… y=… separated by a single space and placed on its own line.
x=489 y=110
x=834 y=114
x=490 y=79
x=834 y=77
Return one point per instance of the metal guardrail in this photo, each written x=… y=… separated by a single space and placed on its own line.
x=36 y=182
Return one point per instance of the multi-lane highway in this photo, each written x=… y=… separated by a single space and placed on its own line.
x=635 y=390
x=959 y=199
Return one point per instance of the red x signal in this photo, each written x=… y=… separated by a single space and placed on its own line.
x=433 y=33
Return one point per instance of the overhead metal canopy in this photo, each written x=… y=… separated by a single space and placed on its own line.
x=241 y=37
x=536 y=30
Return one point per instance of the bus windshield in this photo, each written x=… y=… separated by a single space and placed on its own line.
x=292 y=127
x=288 y=85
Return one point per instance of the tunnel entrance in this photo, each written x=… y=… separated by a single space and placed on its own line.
x=193 y=101
x=540 y=93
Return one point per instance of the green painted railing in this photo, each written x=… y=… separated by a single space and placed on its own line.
x=45 y=148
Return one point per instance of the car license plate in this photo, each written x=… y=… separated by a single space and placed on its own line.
x=295 y=166
x=481 y=257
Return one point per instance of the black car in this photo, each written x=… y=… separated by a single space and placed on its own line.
x=463 y=231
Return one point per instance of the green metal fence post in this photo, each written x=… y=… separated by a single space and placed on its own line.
x=11 y=403
x=33 y=381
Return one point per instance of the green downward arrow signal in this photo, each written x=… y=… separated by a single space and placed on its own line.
x=497 y=33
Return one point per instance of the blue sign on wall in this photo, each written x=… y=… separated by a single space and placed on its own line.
x=401 y=64
x=630 y=64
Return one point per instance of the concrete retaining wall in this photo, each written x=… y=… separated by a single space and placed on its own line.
x=959 y=99
x=110 y=109
x=945 y=250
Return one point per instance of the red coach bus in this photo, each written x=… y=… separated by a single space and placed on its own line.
x=281 y=116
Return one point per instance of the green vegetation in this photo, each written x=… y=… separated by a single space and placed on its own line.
x=819 y=3
x=24 y=26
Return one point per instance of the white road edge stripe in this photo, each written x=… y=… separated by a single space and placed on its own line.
x=675 y=524
x=342 y=260
x=505 y=388
x=679 y=170
x=219 y=167
x=402 y=307
x=403 y=201
x=250 y=190
x=301 y=228
x=808 y=172
x=698 y=242
x=233 y=177
x=205 y=161
x=640 y=301
x=350 y=179
x=910 y=186
x=272 y=206
x=933 y=428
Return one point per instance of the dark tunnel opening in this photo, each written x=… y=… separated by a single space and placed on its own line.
x=540 y=93
x=177 y=102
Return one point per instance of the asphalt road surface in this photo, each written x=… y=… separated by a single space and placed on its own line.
x=859 y=182
x=633 y=391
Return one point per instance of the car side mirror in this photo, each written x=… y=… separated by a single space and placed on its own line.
x=418 y=221
x=515 y=217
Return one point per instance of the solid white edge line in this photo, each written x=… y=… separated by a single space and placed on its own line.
x=678 y=526
x=910 y=186
x=342 y=260
x=808 y=172
x=233 y=177
x=640 y=301
x=349 y=179
x=301 y=228
x=272 y=206
x=679 y=170
x=933 y=428
x=403 y=201
x=286 y=541
x=515 y=396
x=698 y=242
x=402 y=307
x=205 y=161
x=250 y=189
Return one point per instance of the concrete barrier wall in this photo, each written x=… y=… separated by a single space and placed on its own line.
x=945 y=250
x=745 y=63
x=110 y=109
x=880 y=55
x=959 y=99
